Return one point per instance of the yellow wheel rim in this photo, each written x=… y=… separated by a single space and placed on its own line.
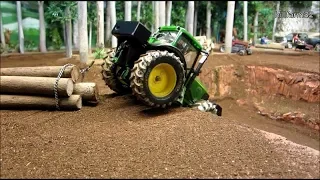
x=162 y=80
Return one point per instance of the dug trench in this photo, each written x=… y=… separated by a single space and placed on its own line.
x=279 y=93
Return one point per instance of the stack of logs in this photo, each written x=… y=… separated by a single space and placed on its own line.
x=33 y=88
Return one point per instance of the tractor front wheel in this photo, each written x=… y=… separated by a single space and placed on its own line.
x=157 y=78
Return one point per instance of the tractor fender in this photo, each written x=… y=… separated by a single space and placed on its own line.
x=169 y=48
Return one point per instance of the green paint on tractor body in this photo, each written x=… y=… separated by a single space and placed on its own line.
x=135 y=40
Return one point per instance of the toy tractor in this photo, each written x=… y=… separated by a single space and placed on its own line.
x=160 y=70
x=239 y=47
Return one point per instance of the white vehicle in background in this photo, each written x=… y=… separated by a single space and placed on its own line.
x=283 y=40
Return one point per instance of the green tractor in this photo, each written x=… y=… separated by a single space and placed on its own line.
x=160 y=69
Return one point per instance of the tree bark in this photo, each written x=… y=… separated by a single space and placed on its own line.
x=229 y=26
x=153 y=17
x=83 y=31
x=113 y=16
x=138 y=10
x=275 y=21
x=108 y=25
x=75 y=34
x=72 y=72
x=68 y=33
x=88 y=91
x=156 y=15
x=255 y=28
x=127 y=10
x=3 y=41
x=74 y=102
x=162 y=11
x=42 y=27
x=20 y=28
x=190 y=16
x=245 y=20
x=35 y=85
x=195 y=24
x=100 y=25
x=90 y=38
x=208 y=20
x=169 y=9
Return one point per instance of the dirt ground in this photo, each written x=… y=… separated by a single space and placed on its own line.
x=121 y=138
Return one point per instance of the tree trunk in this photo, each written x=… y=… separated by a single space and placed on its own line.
x=20 y=28
x=169 y=9
x=74 y=102
x=127 y=10
x=245 y=20
x=42 y=28
x=90 y=38
x=108 y=25
x=88 y=91
x=68 y=33
x=255 y=29
x=162 y=11
x=138 y=10
x=275 y=21
x=156 y=15
x=72 y=72
x=100 y=25
x=208 y=20
x=229 y=26
x=153 y=17
x=35 y=85
x=195 y=19
x=83 y=31
x=75 y=34
x=113 y=16
x=64 y=34
x=3 y=41
x=190 y=16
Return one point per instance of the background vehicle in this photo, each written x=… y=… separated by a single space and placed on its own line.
x=314 y=40
x=239 y=47
x=160 y=70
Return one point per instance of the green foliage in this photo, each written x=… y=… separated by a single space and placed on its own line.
x=92 y=12
x=178 y=13
x=146 y=14
x=301 y=4
x=29 y=44
x=100 y=53
x=55 y=11
x=56 y=39
x=120 y=10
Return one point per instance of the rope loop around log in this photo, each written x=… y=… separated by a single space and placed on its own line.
x=55 y=87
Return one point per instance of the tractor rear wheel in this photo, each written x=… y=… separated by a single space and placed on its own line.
x=157 y=78
x=109 y=75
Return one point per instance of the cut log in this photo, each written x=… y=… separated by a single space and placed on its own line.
x=88 y=91
x=41 y=86
x=74 y=102
x=72 y=72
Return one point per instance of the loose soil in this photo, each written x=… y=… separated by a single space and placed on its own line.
x=121 y=138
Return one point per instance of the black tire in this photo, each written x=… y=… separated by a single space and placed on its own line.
x=222 y=48
x=141 y=72
x=110 y=78
x=317 y=47
x=249 y=51
x=241 y=52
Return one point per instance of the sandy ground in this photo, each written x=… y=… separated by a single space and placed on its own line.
x=120 y=138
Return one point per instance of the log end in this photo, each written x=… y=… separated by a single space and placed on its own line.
x=70 y=87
